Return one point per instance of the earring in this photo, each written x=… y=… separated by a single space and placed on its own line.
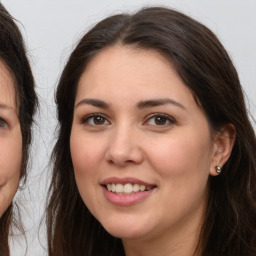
x=218 y=169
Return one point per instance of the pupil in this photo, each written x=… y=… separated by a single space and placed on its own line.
x=160 y=120
x=98 y=120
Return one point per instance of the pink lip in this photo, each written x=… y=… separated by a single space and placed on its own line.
x=126 y=199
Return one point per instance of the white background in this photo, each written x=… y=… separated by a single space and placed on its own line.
x=52 y=27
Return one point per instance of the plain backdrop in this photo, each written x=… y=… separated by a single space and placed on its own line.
x=51 y=29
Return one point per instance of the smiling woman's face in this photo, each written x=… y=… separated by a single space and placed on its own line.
x=10 y=140
x=140 y=145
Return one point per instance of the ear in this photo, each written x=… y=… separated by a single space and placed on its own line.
x=222 y=147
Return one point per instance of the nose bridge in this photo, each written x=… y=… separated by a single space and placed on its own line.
x=124 y=145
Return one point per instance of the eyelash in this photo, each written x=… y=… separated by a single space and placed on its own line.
x=3 y=123
x=165 y=118
x=92 y=117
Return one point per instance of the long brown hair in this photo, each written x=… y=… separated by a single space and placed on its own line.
x=13 y=55
x=204 y=66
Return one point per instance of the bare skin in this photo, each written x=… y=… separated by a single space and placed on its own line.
x=10 y=140
x=136 y=123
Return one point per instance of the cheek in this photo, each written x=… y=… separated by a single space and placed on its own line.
x=86 y=156
x=183 y=166
x=10 y=164
x=85 y=153
x=185 y=156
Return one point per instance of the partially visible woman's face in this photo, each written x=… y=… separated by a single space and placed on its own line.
x=10 y=140
x=140 y=145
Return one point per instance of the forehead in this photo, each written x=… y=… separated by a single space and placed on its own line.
x=7 y=89
x=121 y=68
x=125 y=63
x=127 y=56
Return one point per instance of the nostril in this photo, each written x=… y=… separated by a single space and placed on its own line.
x=122 y=156
x=129 y=161
x=121 y=163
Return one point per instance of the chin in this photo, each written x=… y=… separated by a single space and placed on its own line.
x=125 y=231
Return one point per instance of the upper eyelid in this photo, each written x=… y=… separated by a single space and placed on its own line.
x=160 y=114
x=2 y=120
x=147 y=117
x=95 y=114
x=170 y=121
x=86 y=117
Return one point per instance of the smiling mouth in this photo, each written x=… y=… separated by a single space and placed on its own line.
x=127 y=188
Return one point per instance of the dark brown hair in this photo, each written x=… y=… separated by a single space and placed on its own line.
x=13 y=55
x=204 y=66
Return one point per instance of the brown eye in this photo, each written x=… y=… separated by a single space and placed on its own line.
x=98 y=120
x=95 y=120
x=160 y=120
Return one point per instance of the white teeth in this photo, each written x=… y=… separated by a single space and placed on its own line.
x=136 y=187
x=113 y=189
x=142 y=188
x=127 y=188
x=119 y=188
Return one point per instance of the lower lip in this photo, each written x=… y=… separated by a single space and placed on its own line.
x=126 y=199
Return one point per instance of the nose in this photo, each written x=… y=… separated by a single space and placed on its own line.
x=124 y=147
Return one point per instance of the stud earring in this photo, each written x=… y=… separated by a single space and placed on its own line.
x=218 y=169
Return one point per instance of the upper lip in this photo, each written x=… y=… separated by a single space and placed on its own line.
x=117 y=180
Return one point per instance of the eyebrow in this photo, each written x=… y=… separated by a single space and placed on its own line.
x=93 y=102
x=158 y=102
x=140 y=105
